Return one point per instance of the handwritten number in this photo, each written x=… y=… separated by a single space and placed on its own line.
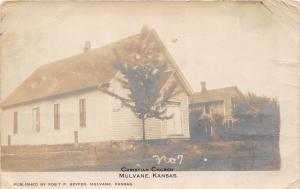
x=171 y=160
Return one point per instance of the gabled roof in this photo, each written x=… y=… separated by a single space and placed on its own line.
x=161 y=83
x=83 y=71
x=215 y=95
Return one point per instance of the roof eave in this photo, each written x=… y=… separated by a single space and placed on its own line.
x=184 y=81
x=52 y=97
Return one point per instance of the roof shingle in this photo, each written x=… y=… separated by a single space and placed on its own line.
x=79 y=72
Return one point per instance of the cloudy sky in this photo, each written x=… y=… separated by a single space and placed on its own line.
x=224 y=44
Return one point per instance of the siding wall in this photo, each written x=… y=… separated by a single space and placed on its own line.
x=224 y=108
x=105 y=120
x=98 y=125
x=218 y=108
x=125 y=125
x=228 y=109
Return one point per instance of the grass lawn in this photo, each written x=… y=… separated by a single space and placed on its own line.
x=180 y=155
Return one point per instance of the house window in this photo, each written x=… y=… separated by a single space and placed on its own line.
x=36 y=119
x=15 y=130
x=230 y=123
x=232 y=102
x=56 y=117
x=82 y=112
x=206 y=109
x=76 y=137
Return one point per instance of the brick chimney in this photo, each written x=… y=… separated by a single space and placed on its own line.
x=87 y=46
x=203 y=86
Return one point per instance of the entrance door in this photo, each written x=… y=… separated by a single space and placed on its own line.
x=174 y=126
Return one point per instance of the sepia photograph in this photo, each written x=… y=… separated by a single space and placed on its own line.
x=150 y=87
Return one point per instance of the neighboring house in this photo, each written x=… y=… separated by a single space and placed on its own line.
x=216 y=101
x=59 y=103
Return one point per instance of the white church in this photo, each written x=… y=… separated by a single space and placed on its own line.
x=59 y=103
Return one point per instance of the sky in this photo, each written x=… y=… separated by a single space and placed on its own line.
x=224 y=44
